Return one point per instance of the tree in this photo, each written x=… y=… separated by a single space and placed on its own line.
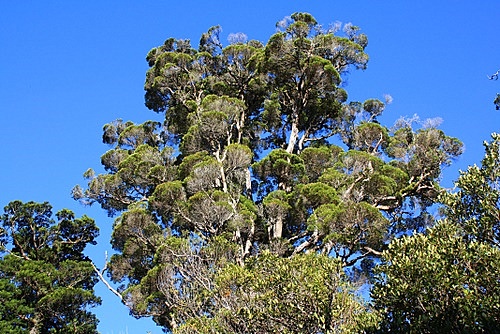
x=476 y=204
x=307 y=293
x=439 y=282
x=447 y=279
x=46 y=282
x=260 y=151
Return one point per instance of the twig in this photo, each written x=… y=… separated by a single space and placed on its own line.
x=494 y=76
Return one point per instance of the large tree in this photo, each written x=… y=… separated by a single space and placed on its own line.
x=46 y=282
x=260 y=151
x=447 y=280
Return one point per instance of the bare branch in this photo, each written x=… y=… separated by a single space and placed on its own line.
x=494 y=76
x=102 y=279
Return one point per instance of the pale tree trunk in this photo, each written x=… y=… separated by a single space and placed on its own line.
x=248 y=183
x=222 y=172
x=278 y=228
x=248 y=243
x=223 y=179
x=34 y=329
x=275 y=230
x=294 y=136
x=301 y=141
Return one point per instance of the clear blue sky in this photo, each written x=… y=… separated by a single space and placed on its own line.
x=69 y=67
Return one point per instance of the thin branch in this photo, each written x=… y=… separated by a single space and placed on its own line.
x=494 y=76
x=102 y=279
x=373 y=251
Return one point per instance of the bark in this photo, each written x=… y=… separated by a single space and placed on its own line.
x=275 y=230
x=294 y=136
x=34 y=329
x=102 y=279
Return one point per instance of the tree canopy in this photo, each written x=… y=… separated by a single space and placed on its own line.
x=262 y=167
x=46 y=282
x=266 y=200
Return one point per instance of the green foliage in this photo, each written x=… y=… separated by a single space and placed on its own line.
x=446 y=280
x=245 y=165
x=46 y=282
x=303 y=294
x=439 y=283
x=281 y=169
x=476 y=205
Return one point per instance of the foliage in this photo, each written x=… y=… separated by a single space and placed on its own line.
x=260 y=151
x=447 y=280
x=46 y=282
x=476 y=205
x=307 y=293
x=496 y=102
x=438 y=283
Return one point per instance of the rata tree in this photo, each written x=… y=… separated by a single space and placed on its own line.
x=259 y=151
x=46 y=282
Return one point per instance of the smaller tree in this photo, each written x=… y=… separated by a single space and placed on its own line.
x=439 y=283
x=46 y=282
x=307 y=293
x=476 y=205
x=447 y=279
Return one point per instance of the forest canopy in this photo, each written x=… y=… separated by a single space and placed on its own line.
x=265 y=198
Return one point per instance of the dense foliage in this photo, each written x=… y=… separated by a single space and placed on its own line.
x=448 y=279
x=46 y=282
x=439 y=283
x=262 y=169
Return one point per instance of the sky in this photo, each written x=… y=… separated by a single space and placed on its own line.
x=69 y=67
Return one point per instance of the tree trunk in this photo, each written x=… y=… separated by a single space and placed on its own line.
x=294 y=136
x=275 y=230
x=34 y=329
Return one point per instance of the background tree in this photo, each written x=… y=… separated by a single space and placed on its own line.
x=46 y=282
x=439 y=282
x=260 y=151
x=447 y=279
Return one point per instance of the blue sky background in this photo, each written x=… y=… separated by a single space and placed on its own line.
x=69 y=67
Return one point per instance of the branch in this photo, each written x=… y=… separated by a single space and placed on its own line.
x=102 y=279
x=369 y=251
x=348 y=191
x=373 y=251
x=313 y=239
x=2 y=248
x=387 y=206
